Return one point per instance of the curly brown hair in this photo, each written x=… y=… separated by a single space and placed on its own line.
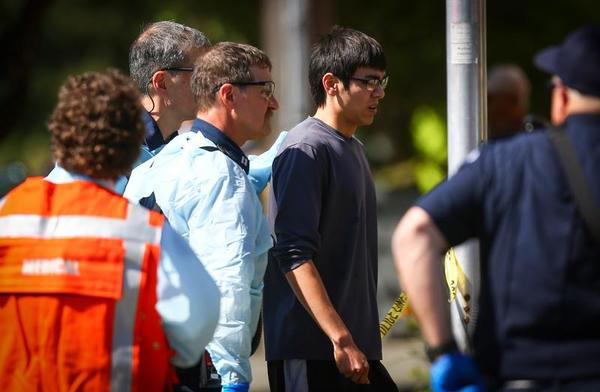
x=97 y=128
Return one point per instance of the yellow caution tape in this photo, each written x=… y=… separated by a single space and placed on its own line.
x=399 y=308
x=455 y=277
x=456 y=280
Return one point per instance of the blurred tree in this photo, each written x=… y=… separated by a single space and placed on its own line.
x=45 y=40
x=428 y=130
x=413 y=36
x=20 y=38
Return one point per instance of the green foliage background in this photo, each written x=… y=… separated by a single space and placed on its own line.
x=83 y=35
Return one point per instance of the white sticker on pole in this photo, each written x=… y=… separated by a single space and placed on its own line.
x=462 y=50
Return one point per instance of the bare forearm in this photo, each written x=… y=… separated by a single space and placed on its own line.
x=310 y=291
x=417 y=245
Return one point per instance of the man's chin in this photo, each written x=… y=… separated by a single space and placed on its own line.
x=368 y=120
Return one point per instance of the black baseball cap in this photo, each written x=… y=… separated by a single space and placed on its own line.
x=576 y=61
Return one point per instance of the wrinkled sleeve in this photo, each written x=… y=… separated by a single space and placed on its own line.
x=298 y=180
x=260 y=165
x=223 y=222
x=187 y=299
x=455 y=205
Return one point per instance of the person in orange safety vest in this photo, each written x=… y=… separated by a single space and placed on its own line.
x=96 y=293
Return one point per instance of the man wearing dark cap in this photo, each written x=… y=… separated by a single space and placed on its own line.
x=539 y=321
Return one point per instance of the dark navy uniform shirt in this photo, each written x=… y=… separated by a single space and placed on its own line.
x=540 y=291
x=154 y=138
x=322 y=208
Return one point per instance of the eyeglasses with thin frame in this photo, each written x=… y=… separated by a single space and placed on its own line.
x=268 y=87
x=373 y=83
x=173 y=69
x=177 y=69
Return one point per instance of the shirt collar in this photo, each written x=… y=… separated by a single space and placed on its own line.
x=223 y=143
x=59 y=175
x=154 y=138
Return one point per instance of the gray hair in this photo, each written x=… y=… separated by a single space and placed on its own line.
x=161 y=45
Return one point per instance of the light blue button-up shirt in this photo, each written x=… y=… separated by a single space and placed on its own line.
x=260 y=165
x=187 y=297
x=211 y=202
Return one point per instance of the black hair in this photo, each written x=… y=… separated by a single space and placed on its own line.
x=341 y=52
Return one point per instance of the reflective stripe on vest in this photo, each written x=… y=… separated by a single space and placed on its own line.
x=138 y=231
x=35 y=226
x=126 y=309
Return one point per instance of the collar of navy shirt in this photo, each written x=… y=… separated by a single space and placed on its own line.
x=154 y=138
x=223 y=143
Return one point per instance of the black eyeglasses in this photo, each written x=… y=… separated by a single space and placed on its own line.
x=373 y=83
x=177 y=69
x=268 y=87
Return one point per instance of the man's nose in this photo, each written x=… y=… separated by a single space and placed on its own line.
x=379 y=92
x=273 y=103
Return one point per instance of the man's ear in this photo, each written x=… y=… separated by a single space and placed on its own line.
x=226 y=95
x=559 y=109
x=330 y=84
x=157 y=82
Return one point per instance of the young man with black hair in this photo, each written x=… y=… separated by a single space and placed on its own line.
x=320 y=306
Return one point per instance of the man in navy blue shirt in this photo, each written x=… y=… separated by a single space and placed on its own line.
x=320 y=305
x=539 y=321
x=161 y=61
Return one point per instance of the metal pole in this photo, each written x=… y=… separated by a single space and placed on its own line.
x=286 y=31
x=467 y=123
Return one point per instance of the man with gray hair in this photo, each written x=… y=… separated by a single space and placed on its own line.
x=161 y=62
x=200 y=181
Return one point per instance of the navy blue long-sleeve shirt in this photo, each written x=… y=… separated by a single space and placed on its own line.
x=322 y=208
x=540 y=292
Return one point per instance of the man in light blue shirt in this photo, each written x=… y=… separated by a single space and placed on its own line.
x=161 y=61
x=200 y=182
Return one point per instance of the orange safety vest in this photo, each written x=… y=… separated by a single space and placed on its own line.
x=78 y=291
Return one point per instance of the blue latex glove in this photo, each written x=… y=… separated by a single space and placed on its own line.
x=260 y=165
x=455 y=372
x=235 y=387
